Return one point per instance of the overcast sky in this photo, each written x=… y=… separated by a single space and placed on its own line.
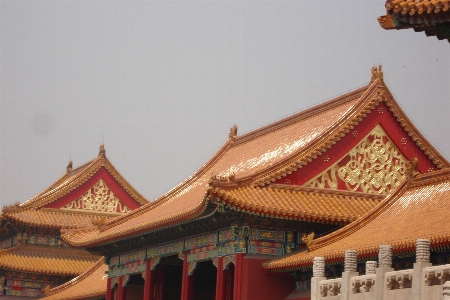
x=162 y=82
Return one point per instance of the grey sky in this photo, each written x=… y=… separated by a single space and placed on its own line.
x=164 y=81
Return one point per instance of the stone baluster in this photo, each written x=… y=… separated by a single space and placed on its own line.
x=422 y=261
x=371 y=267
x=350 y=261
x=446 y=291
x=384 y=265
x=318 y=275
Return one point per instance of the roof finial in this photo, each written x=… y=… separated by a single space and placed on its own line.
x=102 y=151
x=377 y=73
x=412 y=170
x=69 y=167
x=233 y=132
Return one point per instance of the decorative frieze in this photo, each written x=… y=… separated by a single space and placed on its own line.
x=165 y=250
x=227 y=260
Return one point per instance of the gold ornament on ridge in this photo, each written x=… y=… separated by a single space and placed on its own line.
x=100 y=199
x=374 y=166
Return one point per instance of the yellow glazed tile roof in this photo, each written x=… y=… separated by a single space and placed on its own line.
x=91 y=283
x=57 y=218
x=315 y=205
x=48 y=260
x=259 y=157
x=412 y=212
x=413 y=7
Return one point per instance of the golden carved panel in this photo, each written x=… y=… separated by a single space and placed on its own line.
x=374 y=166
x=100 y=199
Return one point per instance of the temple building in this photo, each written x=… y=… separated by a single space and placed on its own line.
x=429 y=16
x=33 y=258
x=266 y=198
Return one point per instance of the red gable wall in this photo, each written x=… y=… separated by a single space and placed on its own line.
x=379 y=115
x=102 y=173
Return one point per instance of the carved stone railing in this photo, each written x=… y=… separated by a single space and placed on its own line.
x=330 y=289
x=434 y=280
x=432 y=274
x=362 y=284
x=398 y=279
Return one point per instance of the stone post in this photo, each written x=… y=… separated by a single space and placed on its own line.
x=318 y=275
x=350 y=262
x=422 y=261
x=446 y=291
x=384 y=265
x=371 y=267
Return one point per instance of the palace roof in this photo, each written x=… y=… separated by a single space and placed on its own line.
x=259 y=158
x=47 y=260
x=418 y=209
x=89 y=284
x=431 y=16
x=52 y=208
x=305 y=204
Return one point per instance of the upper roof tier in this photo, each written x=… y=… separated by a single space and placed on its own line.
x=85 y=195
x=89 y=284
x=414 y=211
x=431 y=16
x=301 y=145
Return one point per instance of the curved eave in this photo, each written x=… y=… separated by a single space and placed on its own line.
x=98 y=267
x=308 y=214
x=402 y=248
x=94 y=238
x=54 y=219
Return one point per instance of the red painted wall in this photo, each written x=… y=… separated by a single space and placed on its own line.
x=257 y=285
x=102 y=173
x=379 y=115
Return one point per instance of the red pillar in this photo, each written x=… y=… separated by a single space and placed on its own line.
x=186 y=284
x=220 y=281
x=121 y=290
x=238 y=277
x=109 y=291
x=148 y=287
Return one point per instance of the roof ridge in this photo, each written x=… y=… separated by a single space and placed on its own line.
x=58 y=185
x=299 y=116
x=172 y=192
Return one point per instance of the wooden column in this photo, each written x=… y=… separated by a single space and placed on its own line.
x=109 y=291
x=238 y=277
x=121 y=290
x=221 y=280
x=186 y=284
x=148 y=287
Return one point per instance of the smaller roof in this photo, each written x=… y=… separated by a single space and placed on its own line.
x=89 y=284
x=430 y=16
x=48 y=260
x=73 y=178
x=415 y=210
x=300 y=203
x=57 y=218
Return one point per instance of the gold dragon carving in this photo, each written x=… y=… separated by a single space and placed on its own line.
x=374 y=166
x=100 y=199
